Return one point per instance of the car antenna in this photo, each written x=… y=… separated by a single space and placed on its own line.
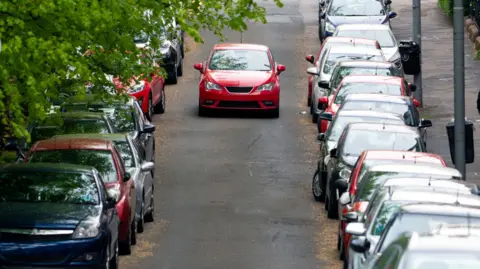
x=430 y=181
x=241 y=37
x=458 y=194
x=468 y=223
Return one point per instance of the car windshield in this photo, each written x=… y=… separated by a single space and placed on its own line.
x=359 y=140
x=240 y=59
x=77 y=126
x=336 y=128
x=125 y=152
x=443 y=259
x=102 y=160
x=366 y=87
x=356 y=8
x=48 y=187
x=384 y=37
x=394 y=108
x=334 y=58
x=422 y=223
x=344 y=71
x=120 y=115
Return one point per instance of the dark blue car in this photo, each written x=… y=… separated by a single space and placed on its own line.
x=56 y=216
x=338 y=12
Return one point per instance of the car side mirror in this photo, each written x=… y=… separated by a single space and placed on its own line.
x=280 y=68
x=323 y=84
x=147 y=166
x=425 y=123
x=310 y=59
x=388 y=2
x=412 y=87
x=199 y=67
x=113 y=195
x=392 y=14
x=148 y=128
x=355 y=228
x=416 y=102
x=345 y=198
x=313 y=71
x=320 y=137
x=126 y=177
x=325 y=116
x=333 y=153
x=360 y=244
x=341 y=184
x=350 y=216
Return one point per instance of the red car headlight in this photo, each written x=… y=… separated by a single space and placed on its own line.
x=266 y=87
x=212 y=86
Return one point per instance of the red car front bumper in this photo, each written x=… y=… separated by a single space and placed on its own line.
x=263 y=100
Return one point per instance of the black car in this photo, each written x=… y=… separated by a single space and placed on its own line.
x=329 y=139
x=356 y=138
x=126 y=118
x=56 y=216
x=401 y=105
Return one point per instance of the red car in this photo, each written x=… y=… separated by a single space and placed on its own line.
x=332 y=40
x=363 y=84
x=376 y=157
x=239 y=76
x=105 y=157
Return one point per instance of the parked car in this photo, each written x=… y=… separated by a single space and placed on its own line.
x=356 y=138
x=419 y=251
x=328 y=62
x=239 y=76
x=141 y=171
x=405 y=106
x=329 y=140
x=56 y=215
x=360 y=84
x=334 y=41
x=106 y=158
x=380 y=32
x=420 y=218
x=126 y=117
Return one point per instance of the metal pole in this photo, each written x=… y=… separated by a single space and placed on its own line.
x=417 y=38
x=459 y=85
x=241 y=37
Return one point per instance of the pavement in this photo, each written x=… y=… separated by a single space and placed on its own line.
x=233 y=192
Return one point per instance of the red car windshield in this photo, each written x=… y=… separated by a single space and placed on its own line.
x=240 y=59
x=366 y=87
x=102 y=160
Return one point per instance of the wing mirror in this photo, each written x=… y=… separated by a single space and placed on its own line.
x=345 y=198
x=360 y=244
x=355 y=228
x=280 y=68
x=126 y=177
x=147 y=166
x=113 y=196
x=341 y=184
x=416 y=102
x=392 y=14
x=323 y=84
x=350 y=216
x=148 y=128
x=312 y=71
x=333 y=153
x=199 y=67
x=388 y=2
x=310 y=59
x=425 y=123
x=320 y=137
x=325 y=115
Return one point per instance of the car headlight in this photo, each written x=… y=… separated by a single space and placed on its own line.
x=329 y=27
x=345 y=173
x=212 y=86
x=137 y=87
x=265 y=87
x=88 y=228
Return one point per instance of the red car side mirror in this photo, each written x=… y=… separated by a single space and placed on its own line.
x=416 y=102
x=199 y=67
x=323 y=100
x=280 y=68
x=310 y=58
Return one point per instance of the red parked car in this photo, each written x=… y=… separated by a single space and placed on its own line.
x=333 y=40
x=239 y=76
x=370 y=158
x=105 y=157
x=363 y=84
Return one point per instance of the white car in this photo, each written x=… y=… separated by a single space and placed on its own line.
x=327 y=63
x=380 y=32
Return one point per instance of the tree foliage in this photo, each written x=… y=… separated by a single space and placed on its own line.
x=44 y=45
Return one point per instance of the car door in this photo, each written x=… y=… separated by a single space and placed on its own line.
x=147 y=140
x=147 y=177
x=129 y=186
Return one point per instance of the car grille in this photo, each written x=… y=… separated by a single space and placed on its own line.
x=239 y=104
x=24 y=238
x=239 y=89
x=44 y=257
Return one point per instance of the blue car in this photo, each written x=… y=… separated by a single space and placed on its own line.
x=56 y=216
x=338 y=12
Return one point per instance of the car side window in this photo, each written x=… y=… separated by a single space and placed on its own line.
x=141 y=150
x=374 y=204
x=321 y=62
x=103 y=190
x=120 y=161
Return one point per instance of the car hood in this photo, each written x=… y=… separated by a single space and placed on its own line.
x=339 y=20
x=239 y=78
x=45 y=215
x=391 y=54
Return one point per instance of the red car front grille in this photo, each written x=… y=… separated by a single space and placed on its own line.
x=239 y=104
x=239 y=89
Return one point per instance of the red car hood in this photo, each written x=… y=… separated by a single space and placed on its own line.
x=240 y=78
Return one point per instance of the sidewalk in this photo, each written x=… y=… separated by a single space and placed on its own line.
x=437 y=51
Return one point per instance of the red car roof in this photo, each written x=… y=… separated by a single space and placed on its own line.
x=373 y=78
x=240 y=46
x=72 y=143
x=422 y=157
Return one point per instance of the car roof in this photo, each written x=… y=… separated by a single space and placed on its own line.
x=455 y=230
x=372 y=27
x=427 y=194
x=72 y=143
x=385 y=98
x=46 y=167
x=370 y=126
x=443 y=209
x=417 y=169
x=429 y=242
x=372 y=78
x=370 y=64
x=240 y=46
x=369 y=113
x=354 y=50
x=109 y=137
x=96 y=99
x=346 y=39
x=403 y=155
x=400 y=183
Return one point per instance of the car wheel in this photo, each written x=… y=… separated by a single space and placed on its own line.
x=172 y=78
x=126 y=246
x=339 y=243
x=275 y=113
x=311 y=109
x=161 y=106
x=317 y=192
x=141 y=221
x=134 y=232
x=202 y=111
x=150 y=111
x=113 y=262
x=345 y=262
x=332 y=212
x=342 y=251
x=309 y=101
x=314 y=117
x=180 y=68
x=320 y=35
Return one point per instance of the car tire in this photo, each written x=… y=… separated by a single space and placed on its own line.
x=318 y=194
x=149 y=217
x=180 y=68
x=134 y=232
x=150 y=109
x=161 y=105
x=203 y=112
x=275 y=113
x=339 y=243
x=314 y=117
x=113 y=263
x=332 y=212
x=172 y=78
x=141 y=221
x=341 y=255
x=311 y=109
x=126 y=246
x=309 y=101
x=320 y=35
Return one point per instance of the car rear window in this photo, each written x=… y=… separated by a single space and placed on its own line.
x=366 y=87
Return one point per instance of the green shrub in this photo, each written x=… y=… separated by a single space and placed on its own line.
x=447 y=6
